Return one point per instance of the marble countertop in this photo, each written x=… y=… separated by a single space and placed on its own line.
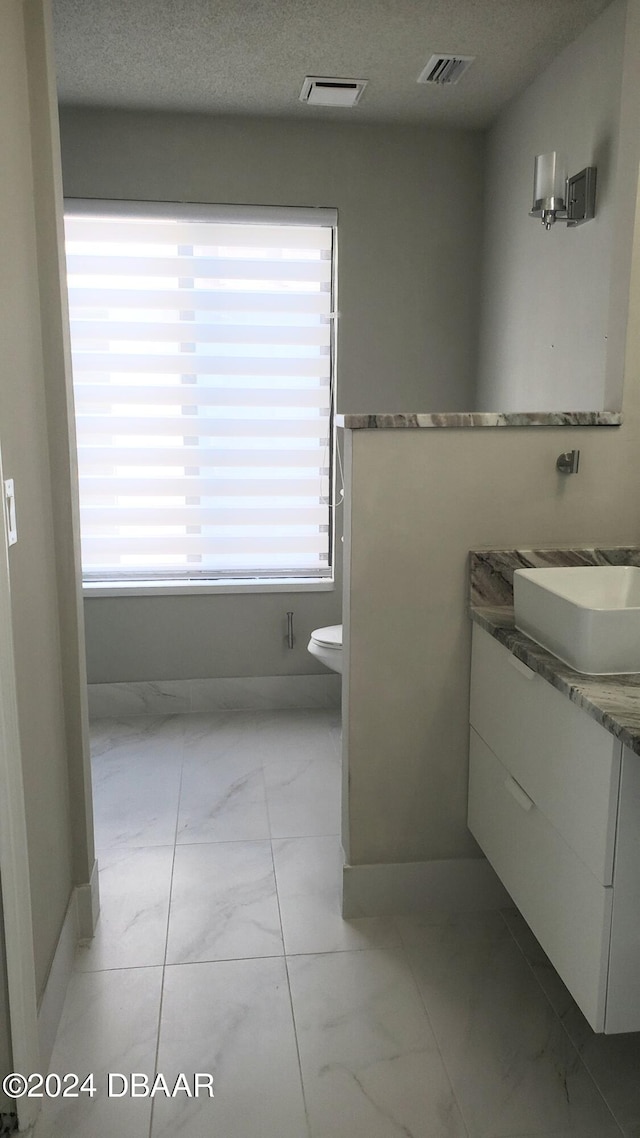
x=613 y=701
x=414 y=420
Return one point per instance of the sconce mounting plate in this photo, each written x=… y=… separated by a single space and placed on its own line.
x=581 y=197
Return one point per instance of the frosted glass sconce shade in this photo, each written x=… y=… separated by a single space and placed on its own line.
x=549 y=181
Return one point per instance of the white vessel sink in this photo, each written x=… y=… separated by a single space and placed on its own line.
x=587 y=615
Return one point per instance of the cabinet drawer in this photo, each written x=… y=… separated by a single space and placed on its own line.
x=565 y=905
x=564 y=760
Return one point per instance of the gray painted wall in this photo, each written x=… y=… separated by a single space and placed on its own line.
x=32 y=381
x=546 y=317
x=26 y=460
x=48 y=208
x=410 y=212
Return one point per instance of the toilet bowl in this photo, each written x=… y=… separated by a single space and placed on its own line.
x=326 y=645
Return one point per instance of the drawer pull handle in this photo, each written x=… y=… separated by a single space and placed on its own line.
x=520 y=795
x=523 y=669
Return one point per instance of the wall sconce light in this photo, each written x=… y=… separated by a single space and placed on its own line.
x=559 y=198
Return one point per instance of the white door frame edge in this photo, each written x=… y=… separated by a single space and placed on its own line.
x=14 y=858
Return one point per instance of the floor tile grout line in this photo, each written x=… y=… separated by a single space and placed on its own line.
x=224 y=960
x=225 y=842
x=276 y=956
x=166 y=939
x=297 y=1043
x=560 y=1020
x=293 y=1015
x=452 y=1083
x=115 y=968
x=268 y=812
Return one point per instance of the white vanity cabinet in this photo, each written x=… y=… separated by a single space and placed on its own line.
x=554 y=802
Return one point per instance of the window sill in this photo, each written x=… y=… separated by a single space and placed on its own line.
x=191 y=588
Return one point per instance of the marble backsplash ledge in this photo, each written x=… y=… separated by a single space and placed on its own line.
x=420 y=420
x=491 y=570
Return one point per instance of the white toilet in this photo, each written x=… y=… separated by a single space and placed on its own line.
x=326 y=645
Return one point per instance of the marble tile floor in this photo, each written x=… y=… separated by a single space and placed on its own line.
x=221 y=949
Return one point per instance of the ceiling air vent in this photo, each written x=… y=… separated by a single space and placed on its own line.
x=328 y=92
x=445 y=68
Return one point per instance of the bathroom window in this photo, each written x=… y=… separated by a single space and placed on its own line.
x=203 y=349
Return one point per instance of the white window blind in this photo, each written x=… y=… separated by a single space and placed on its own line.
x=202 y=363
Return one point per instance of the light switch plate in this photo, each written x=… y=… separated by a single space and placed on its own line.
x=10 y=510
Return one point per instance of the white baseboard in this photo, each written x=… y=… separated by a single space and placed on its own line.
x=242 y=693
x=53 y=996
x=88 y=905
x=79 y=924
x=455 y=885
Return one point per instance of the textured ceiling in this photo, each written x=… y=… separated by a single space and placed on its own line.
x=250 y=56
